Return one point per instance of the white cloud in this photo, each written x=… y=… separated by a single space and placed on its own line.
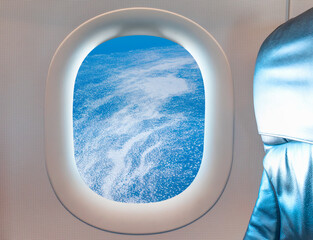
x=124 y=147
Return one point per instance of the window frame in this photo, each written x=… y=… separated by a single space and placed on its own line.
x=210 y=182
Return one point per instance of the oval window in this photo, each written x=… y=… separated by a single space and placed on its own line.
x=138 y=119
x=139 y=136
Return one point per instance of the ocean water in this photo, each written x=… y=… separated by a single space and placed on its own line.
x=138 y=119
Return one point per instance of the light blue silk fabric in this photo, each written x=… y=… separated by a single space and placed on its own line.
x=283 y=100
x=283 y=81
x=284 y=209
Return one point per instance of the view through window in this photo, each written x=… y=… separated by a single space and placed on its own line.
x=138 y=119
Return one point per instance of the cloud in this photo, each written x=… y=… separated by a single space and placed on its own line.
x=123 y=129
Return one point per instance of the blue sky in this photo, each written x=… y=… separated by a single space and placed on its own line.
x=131 y=43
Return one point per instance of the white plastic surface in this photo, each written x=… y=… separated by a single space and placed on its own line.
x=213 y=174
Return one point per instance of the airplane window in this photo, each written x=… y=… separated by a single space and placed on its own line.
x=139 y=140
x=138 y=119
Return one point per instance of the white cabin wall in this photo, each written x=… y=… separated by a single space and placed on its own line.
x=30 y=32
x=299 y=6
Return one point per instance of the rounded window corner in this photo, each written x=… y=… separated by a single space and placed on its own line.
x=213 y=174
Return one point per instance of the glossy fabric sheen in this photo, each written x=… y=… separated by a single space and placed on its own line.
x=284 y=209
x=283 y=99
x=283 y=81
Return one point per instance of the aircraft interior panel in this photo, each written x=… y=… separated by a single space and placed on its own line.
x=299 y=6
x=31 y=32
